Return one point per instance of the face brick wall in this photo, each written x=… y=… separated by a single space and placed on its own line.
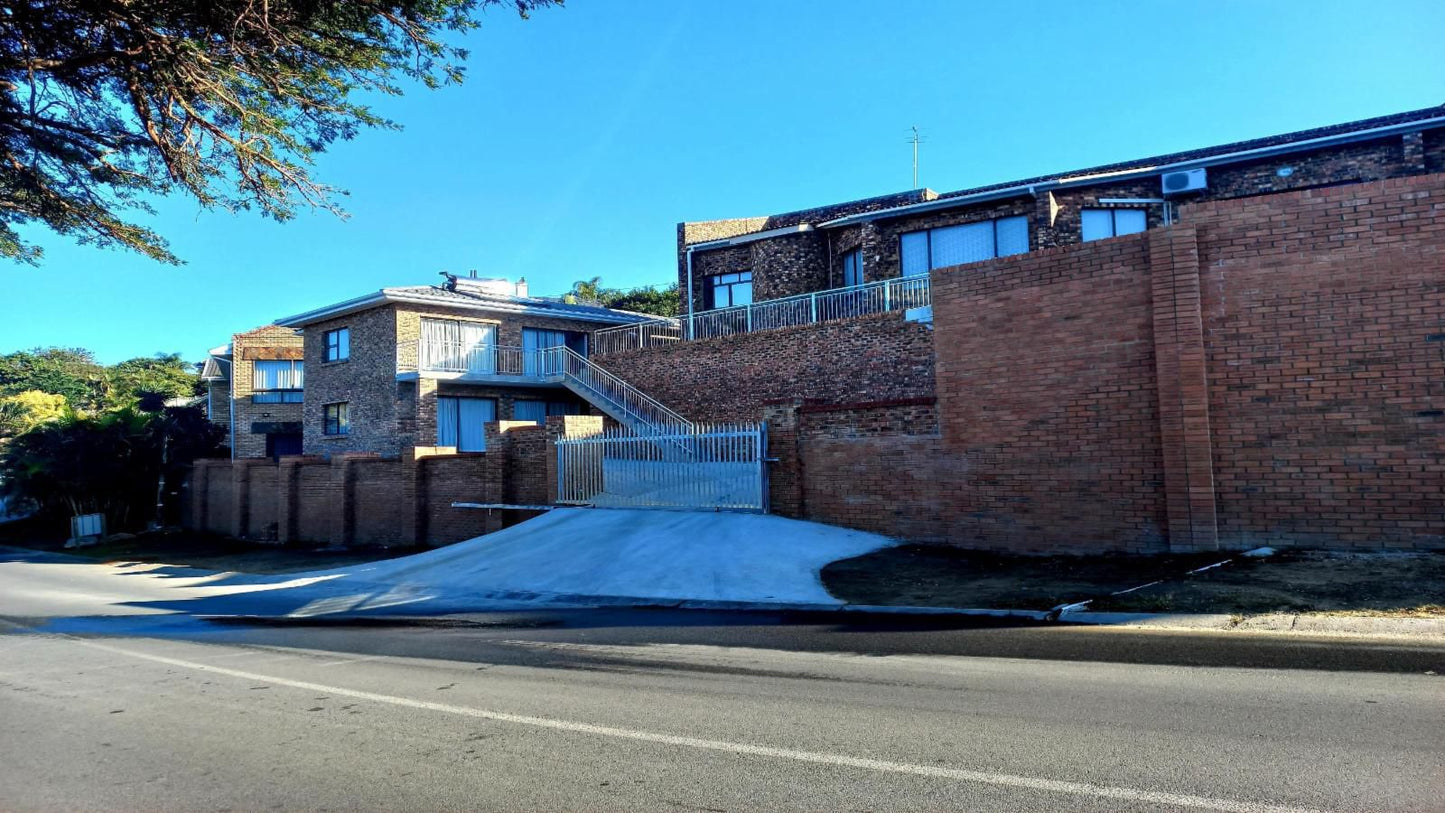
x=1075 y=399
x=1325 y=321
x=1047 y=400
x=727 y=379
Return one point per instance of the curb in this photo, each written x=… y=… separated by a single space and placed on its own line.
x=1417 y=628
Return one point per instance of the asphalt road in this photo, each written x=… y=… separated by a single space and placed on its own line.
x=639 y=710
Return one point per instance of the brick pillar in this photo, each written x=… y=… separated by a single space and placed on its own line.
x=1183 y=389
x=785 y=477
x=426 y=411
x=240 y=497
x=1413 y=145
x=288 y=498
x=199 y=491
x=343 y=498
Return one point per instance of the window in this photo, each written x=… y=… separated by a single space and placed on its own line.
x=923 y=251
x=535 y=340
x=853 y=268
x=337 y=419
x=728 y=290
x=537 y=411
x=277 y=382
x=448 y=345
x=338 y=344
x=1102 y=223
x=461 y=422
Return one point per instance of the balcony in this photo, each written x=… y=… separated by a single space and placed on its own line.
x=908 y=294
x=478 y=363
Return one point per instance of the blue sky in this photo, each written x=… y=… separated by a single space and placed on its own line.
x=582 y=136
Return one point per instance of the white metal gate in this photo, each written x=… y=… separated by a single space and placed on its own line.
x=721 y=466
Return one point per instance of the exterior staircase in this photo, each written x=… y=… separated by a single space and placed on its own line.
x=642 y=414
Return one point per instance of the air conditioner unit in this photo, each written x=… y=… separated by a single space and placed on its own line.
x=1187 y=180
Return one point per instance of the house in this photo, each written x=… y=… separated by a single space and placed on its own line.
x=432 y=365
x=1225 y=348
x=729 y=263
x=254 y=389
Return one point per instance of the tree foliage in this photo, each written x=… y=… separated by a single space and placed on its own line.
x=165 y=374
x=110 y=463
x=105 y=104
x=71 y=372
x=86 y=385
x=651 y=299
x=24 y=411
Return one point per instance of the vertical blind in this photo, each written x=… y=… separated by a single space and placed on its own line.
x=923 y=251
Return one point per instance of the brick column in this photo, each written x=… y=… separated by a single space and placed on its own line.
x=1413 y=147
x=240 y=497
x=1183 y=389
x=288 y=497
x=199 y=491
x=785 y=477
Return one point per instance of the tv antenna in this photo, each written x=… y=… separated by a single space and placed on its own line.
x=915 y=140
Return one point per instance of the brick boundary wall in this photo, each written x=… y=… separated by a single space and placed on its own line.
x=365 y=499
x=1268 y=371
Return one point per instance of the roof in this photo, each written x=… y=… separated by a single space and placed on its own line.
x=466 y=300
x=1363 y=129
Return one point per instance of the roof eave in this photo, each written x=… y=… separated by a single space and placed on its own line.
x=1068 y=181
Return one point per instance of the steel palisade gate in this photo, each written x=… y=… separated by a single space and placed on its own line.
x=708 y=467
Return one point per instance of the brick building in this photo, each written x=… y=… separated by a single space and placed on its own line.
x=1230 y=347
x=431 y=365
x=724 y=263
x=254 y=388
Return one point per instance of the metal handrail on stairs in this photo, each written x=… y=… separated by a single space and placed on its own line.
x=647 y=415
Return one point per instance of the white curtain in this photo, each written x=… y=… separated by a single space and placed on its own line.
x=458 y=346
x=278 y=375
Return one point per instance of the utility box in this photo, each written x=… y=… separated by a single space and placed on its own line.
x=86 y=529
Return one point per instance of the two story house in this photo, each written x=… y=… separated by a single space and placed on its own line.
x=254 y=389
x=431 y=365
x=725 y=265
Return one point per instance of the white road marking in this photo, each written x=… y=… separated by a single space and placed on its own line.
x=1177 y=800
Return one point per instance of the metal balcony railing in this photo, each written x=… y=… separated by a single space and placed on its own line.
x=898 y=294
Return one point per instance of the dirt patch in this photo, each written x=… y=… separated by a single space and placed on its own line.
x=1291 y=581
x=204 y=551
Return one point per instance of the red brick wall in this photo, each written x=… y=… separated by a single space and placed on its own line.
x=318 y=498
x=1047 y=397
x=460 y=478
x=1325 y=319
x=375 y=511
x=1269 y=371
x=262 y=516
x=729 y=379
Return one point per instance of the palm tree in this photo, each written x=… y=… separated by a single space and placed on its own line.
x=587 y=291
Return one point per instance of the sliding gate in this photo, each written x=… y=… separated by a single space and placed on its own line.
x=708 y=467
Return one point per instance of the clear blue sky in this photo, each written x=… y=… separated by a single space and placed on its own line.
x=583 y=135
